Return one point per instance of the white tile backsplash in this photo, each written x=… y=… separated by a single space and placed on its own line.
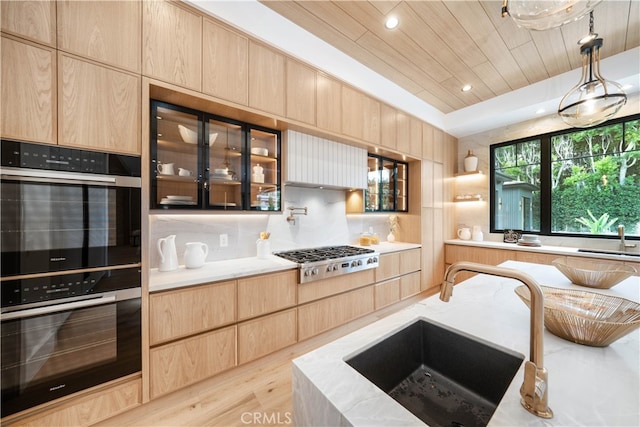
x=325 y=224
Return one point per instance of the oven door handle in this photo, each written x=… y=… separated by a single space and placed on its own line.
x=38 y=311
x=37 y=175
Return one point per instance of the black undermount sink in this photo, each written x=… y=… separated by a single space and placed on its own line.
x=605 y=252
x=443 y=376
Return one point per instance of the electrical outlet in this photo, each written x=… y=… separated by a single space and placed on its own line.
x=224 y=240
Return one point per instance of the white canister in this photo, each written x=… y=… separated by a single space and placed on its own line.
x=263 y=248
x=477 y=234
x=470 y=162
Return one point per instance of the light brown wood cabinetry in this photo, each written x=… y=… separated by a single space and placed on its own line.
x=108 y=32
x=99 y=107
x=389 y=266
x=403 y=137
x=28 y=91
x=225 y=63
x=360 y=116
x=89 y=408
x=172 y=44
x=183 y=312
x=415 y=137
x=536 y=257
x=410 y=284
x=455 y=253
x=266 y=79
x=410 y=260
x=386 y=293
x=325 y=314
x=388 y=126
x=265 y=294
x=301 y=92
x=328 y=103
x=33 y=20
x=323 y=288
x=266 y=334
x=178 y=364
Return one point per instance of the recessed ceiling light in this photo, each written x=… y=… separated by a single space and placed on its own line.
x=391 y=22
x=466 y=88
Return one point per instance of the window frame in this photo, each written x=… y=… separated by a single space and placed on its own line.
x=545 y=180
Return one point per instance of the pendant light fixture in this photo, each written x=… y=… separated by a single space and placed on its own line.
x=546 y=14
x=594 y=99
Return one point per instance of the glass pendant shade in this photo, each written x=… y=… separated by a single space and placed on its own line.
x=546 y=14
x=594 y=99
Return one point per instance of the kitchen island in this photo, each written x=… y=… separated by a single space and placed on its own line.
x=587 y=385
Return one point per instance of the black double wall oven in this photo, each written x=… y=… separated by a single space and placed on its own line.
x=70 y=271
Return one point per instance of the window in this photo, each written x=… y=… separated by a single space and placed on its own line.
x=576 y=183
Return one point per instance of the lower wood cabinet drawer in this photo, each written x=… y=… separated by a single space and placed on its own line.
x=410 y=285
x=266 y=293
x=176 y=365
x=389 y=266
x=410 y=260
x=322 y=315
x=183 y=312
x=265 y=335
x=386 y=293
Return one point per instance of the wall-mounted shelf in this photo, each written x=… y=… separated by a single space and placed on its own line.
x=468 y=198
x=478 y=172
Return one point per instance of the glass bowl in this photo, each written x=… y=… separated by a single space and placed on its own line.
x=584 y=317
x=592 y=274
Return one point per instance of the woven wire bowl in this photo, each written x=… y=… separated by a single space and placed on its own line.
x=585 y=317
x=593 y=274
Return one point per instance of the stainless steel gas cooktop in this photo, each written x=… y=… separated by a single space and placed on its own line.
x=330 y=261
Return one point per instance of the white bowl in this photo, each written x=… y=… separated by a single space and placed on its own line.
x=191 y=137
x=260 y=151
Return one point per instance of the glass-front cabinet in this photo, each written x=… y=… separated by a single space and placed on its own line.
x=203 y=161
x=387 y=181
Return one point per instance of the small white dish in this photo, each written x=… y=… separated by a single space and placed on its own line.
x=182 y=198
x=259 y=151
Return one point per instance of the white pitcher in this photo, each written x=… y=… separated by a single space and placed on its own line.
x=477 y=233
x=464 y=233
x=195 y=254
x=168 y=254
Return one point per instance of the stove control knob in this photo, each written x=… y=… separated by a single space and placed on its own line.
x=307 y=273
x=314 y=272
x=359 y=262
x=336 y=267
x=354 y=263
x=371 y=261
x=330 y=268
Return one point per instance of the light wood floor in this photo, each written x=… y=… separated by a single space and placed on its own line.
x=258 y=393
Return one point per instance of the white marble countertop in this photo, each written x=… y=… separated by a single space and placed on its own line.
x=548 y=249
x=241 y=267
x=587 y=385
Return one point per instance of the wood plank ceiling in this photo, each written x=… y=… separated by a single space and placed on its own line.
x=439 y=46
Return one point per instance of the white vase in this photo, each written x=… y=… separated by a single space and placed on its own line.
x=470 y=162
x=391 y=237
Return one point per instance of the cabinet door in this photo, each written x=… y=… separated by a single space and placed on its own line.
x=33 y=20
x=99 y=107
x=410 y=284
x=329 y=103
x=28 y=91
x=181 y=363
x=325 y=314
x=388 y=126
x=410 y=261
x=266 y=79
x=266 y=293
x=183 y=312
x=389 y=266
x=172 y=39
x=386 y=293
x=176 y=135
x=301 y=92
x=265 y=335
x=225 y=164
x=108 y=32
x=225 y=63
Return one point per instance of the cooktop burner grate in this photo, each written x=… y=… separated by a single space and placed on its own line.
x=303 y=256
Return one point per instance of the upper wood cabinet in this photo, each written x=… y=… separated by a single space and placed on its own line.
x=328 y=103
x=225 y=63
x=33 y=20
x=360 y=116
x=301 y=92
x=388 y=126
x=266 y=79
x=172 y=44
x=99 y=107
x=106 y=31
x=28 y=91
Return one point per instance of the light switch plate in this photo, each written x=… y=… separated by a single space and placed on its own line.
x=224 y=240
